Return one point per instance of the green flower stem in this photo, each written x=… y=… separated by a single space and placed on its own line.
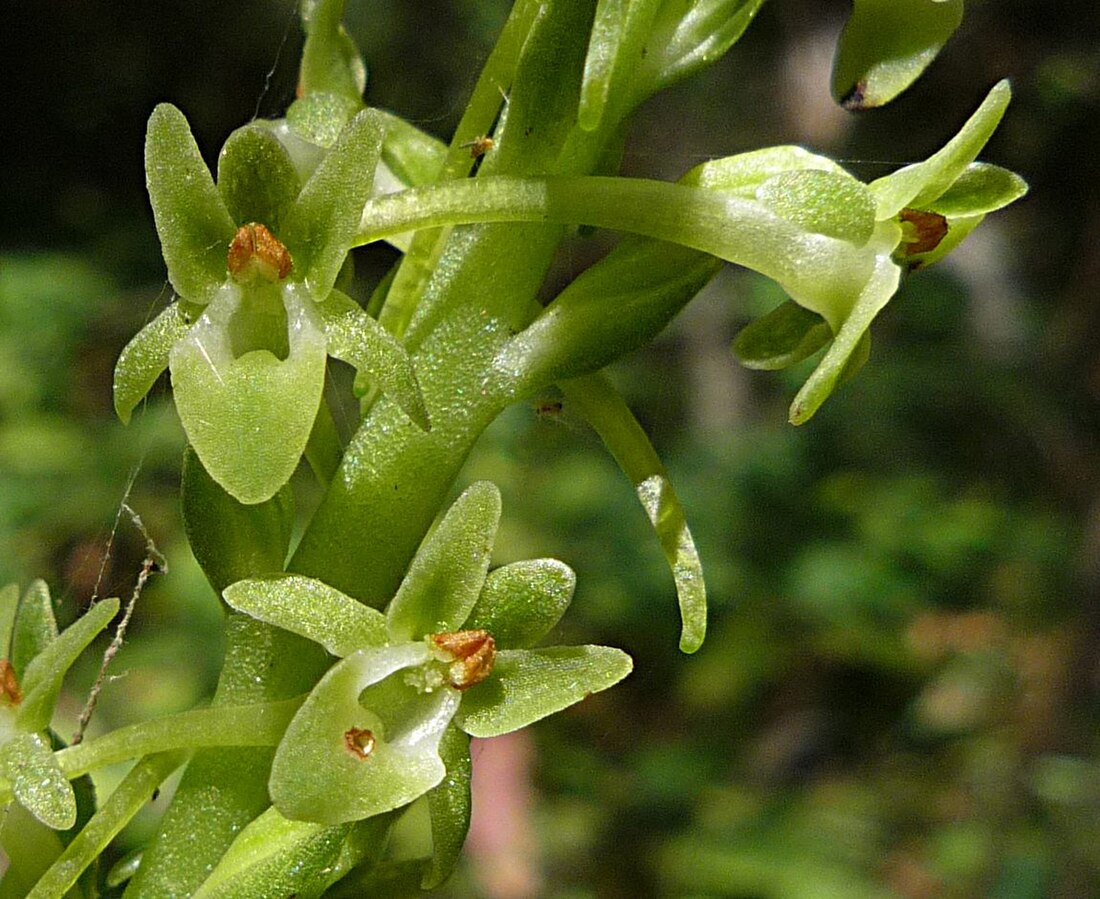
x=127 y=800
x=808 y=265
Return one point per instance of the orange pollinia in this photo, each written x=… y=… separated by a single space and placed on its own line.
x=255 y=253
x=471 y=653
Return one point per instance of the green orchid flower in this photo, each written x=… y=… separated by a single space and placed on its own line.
x=451 y=657
x=253 y=260
x=904 y=221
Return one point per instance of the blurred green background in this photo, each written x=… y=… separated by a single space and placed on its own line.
x=899 y=693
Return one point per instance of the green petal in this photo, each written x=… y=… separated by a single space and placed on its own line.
x=356 y=338
x=920 y=184
x=826 y=377
x=256 y=178
x=318 y=118
x=448 y=571
x=887 y=44
x=743 y=174
x=28 y=762
x=276 y=856
x=310 y=608
x=41 y=681
x=981 y=188
x=145 y=357
x=521 y=602
x=193 y=224
x=786 y=335
x=449 y=805
x=316 y=777
x=34 y=628
x=529 y=684
x=249 y=416
x=322 y=225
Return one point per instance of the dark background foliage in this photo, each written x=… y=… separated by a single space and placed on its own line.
x=899 y=693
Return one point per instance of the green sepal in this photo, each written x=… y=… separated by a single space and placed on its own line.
x=310 y=608
x=318 y=118
x=742 y=174
x=41 y=681
x=617 y=43
x=686 y=37
x=274 y=856
x=249 y=416
x=256 y=178
x=521 y=602
x=321 y=227
x=529 y=684
x=192 y=222
x=144 y=358
x=230 y=540
x=786 y=335
x=830 y=203
x=34 y=628
x=980 y=189
x=827 y=376
x=356 y=338
x=886 y=45
x=330 y=60
x=37 y=782
x=449 y=805
x=317 y=777
x=9 y=606
x=920 y=184
x=446 y=575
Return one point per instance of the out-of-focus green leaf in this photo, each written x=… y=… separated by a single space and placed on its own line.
x=256 y=178
x=193 y=224
x=9 y=605
x=359 y=340
x=341 y=760
x=786 y=335
x=887 y=44
x=448 y=571
x=310 y=608
x=249 y=415
x=449 y=805
x=41 y=681
x=521 y=602
x=144 y=358
x=35 y=626
x=529 y=684
x=28 y=762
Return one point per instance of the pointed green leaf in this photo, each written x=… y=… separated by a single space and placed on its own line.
x=145 y=357
x=321 y=227
x=249 y=416
x=521 y=602
x=822 y=202
x=686 y=37
x=330 y=59
x=356 y=338
x=826 y=377
x=743 y=174
x=193 y=224
x=317 y=775
x=42 y=678
x=28 y=762
x=981 y=188
x=230 y=540
x=449 y=804
x=9 y=605
x=786 y=335
x=602 y=407
x=448 y=571
x=275 y=856
x=256 y=178
x=35 y=627
x=529 y=684
x=887 y=44
x=920 y=184
x=310 y=608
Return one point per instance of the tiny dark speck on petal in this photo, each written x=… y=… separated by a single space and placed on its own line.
x=853 y=100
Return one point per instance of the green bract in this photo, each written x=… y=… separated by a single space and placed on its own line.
x=368 y=738
x=246 y=343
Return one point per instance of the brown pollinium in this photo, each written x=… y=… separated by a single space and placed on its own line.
x=256 y=253
x=471 y=653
